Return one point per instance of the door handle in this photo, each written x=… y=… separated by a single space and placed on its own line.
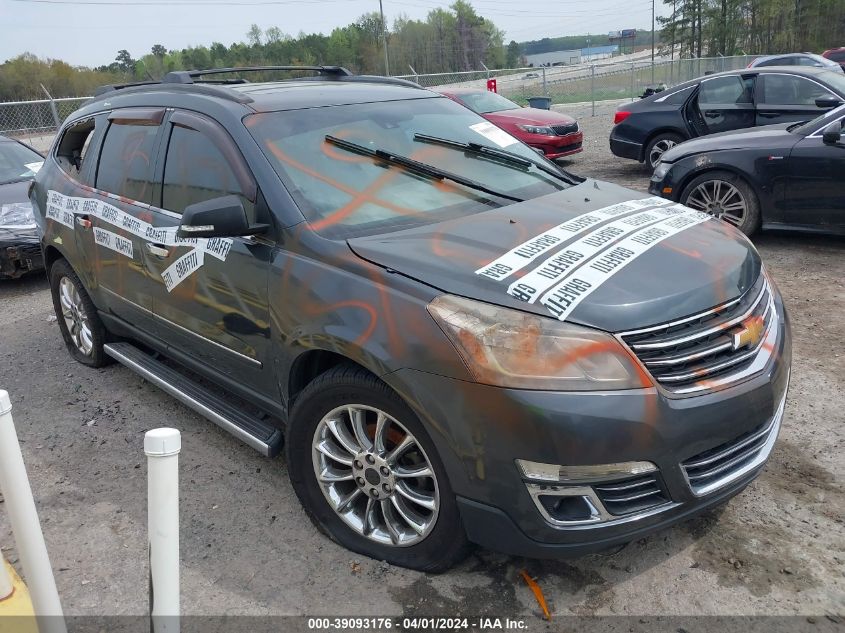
x=83 y=221
x=157 y=250
x=712 y=114
x=768 y=115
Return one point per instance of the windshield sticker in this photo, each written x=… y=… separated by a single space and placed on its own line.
x=113 y=241
x=62 y=209
x=33 y=167
x=563 y=298
x=495 y=134
x=551 y=270
x=520 y=256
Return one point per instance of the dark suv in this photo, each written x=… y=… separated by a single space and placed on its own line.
x=458 y=341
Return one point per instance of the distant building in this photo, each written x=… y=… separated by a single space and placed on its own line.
x=554 y=58
x=599 y=52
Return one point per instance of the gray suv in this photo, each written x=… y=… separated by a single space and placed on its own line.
x=456 y=341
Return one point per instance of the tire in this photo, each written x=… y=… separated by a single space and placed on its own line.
x=364 y=526
x=735 y=200
x=80 y=325
x=658 y=145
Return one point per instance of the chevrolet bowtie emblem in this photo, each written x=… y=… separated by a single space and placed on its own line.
x=749 y=335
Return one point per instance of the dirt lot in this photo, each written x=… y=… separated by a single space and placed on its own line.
x=247 y=547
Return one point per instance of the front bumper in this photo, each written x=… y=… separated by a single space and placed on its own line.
x=556 y=146
x=17 y=259
x=480 y=430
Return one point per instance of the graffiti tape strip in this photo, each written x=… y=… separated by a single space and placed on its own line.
x=113 y=241
x=520 y=256
x=62 y=208
x=551 y=270
x=573 y=289
x=179 y=270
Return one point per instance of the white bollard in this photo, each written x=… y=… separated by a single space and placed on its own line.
x=20 y=506
x=162 y=448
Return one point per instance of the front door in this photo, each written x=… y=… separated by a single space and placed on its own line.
x=815 y=194
x=210 y=295
x=726 y=103
x=785 y=98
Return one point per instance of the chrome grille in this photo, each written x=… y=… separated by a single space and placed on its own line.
x=563 y=130
x=684 y=355
x=632 y=495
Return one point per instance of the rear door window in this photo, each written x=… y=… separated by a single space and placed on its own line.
x=731 y=90
x=125 y=166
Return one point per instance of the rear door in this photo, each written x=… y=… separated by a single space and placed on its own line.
x=726 y=103
x=210 y=295
x=112 y=218
x=814 y=193
x=786 y=98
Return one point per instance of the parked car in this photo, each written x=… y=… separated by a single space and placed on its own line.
x=20 y=248
x=733 y=100
x=837 y=55
x=796 y=59
x=531 y=76
x=459 y=341
x=553 y=133
x=777 y=176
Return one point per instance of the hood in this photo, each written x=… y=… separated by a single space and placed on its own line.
x=595 y=254
x=12 y=231
x=766 y=137
x=530 y=116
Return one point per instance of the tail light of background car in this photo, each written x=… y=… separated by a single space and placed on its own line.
x=620 y=116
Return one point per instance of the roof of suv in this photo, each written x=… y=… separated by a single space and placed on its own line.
x=332 y=85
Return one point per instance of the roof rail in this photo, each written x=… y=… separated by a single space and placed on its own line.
x=188 y=76
x=101 y=90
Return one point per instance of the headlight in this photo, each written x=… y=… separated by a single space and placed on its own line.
x=17 y=215
x=661 y=170
x=514 y=349
x=537 y=129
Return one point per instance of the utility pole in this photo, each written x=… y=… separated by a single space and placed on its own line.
x=384 y=39
x=652 y=42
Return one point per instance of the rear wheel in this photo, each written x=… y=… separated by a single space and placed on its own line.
x=81 y=327
x=725 y=196
x=368 y=475
x=658 y=146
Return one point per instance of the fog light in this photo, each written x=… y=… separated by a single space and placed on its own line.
x=557 y=473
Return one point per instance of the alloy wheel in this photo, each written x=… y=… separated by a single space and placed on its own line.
x=657 y=151
x=720 y=199
x=76 y=319
x=375 y=475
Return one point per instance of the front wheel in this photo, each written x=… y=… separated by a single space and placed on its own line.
x=368 y=475
x=725 y=196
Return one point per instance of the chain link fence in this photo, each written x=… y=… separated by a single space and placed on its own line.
x=584 y=83
x=25 y=119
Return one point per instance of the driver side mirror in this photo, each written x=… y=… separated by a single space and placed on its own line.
x=828 y=102
x=218 y=217
x=832 y=133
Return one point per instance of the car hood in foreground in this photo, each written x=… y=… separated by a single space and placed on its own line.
x=766 y=137
x=660 y=273
x=530 y=116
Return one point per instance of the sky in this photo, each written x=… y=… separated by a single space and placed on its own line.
x=90 y=32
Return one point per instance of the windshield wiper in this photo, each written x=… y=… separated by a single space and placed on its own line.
x=416 y=166
x=500 y=155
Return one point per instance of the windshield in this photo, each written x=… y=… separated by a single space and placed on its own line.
x=818 y=123
x=17 y=162
x=486 y=101
x=344 y=194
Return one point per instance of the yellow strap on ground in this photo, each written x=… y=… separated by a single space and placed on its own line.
x=16 y=614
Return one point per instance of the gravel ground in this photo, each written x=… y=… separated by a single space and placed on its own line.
x=247 y=547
